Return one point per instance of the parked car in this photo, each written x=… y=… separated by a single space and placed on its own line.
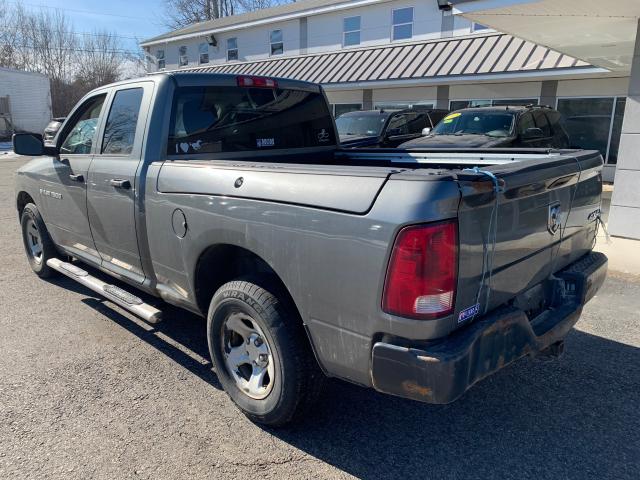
x=52 y=128
x=491 y=127
x=380 y=128
x=230 y=197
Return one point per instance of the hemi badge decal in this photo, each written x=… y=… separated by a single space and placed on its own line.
x=468 y=313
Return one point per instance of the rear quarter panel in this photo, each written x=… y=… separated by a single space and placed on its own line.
x=332 y=262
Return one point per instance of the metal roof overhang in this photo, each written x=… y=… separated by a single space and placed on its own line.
x=598 y=32
x=479 y=57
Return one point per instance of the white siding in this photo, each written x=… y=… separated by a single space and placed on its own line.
x=29 y=98
x=594 y=87
x=406 y=94
x=484 y=91
x=344 y=96
x=324 y=33
x=253 y=44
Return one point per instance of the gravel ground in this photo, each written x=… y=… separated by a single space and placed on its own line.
x=88 y=391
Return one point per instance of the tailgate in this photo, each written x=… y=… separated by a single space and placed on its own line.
x=546 y=218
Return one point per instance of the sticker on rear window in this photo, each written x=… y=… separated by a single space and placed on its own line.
x=323 y=136
x=468 y=313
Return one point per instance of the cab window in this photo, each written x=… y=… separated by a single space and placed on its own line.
x=399 y=124
x=526 y=122
x=542 y=123
x=416 y=122
x=217 y=119
x=120 y=130
x=80 y=137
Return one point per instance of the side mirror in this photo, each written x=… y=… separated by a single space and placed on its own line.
x=532 y=133
x=426 y=131
x=28 y=144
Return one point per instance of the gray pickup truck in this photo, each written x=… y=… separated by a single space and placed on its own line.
x=417 y=273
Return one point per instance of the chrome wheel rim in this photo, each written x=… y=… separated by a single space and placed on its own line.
x=34 y=241
x=247 y=355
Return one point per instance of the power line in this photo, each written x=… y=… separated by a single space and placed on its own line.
x=78 y=49
x=79 y=11
x=89 y=34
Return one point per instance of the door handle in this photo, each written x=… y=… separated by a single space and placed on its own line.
x=118 y=183
x=77 y=178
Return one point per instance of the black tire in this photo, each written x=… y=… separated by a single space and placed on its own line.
x=298 y=378
x=29 y=219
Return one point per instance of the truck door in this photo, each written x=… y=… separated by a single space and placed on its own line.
x=64 y=194
x=112 y=189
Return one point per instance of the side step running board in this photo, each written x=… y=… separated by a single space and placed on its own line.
x=113 y=293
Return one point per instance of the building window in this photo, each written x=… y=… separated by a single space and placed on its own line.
x=390 y=106
x=402 y=23
x=203 y=50
x=232 y=49
x=277 y=46
x=514 y=101
x=120 y=131
x=351 y=31
x=340 y=108
x=594 y=124
x=458 y=104
x=160 y=59
x=183 y=61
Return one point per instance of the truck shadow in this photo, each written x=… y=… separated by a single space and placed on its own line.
x=181 y=335
x=575 y=417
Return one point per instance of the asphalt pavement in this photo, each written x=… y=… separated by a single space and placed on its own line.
x=89 y=391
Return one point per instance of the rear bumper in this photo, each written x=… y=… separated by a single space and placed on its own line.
x=442 y=372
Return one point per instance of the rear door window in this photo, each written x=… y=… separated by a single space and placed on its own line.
x=120 y=131
x=235 y=119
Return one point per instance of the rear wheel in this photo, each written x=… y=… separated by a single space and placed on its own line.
x=37 y=243
x=261 y=354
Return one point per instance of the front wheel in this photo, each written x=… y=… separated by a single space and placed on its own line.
x=261 y=354
x=37 y=243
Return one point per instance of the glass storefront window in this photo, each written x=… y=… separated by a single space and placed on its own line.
x=390 y=106
x=340 y=108
x=458 y=104
x=588 y=122
x=515 y=101
x=616 y=130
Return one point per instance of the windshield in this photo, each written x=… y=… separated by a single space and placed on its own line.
x=368 y=125
x=491 y=124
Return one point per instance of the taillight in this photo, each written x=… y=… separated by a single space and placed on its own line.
x=258 y=82
x=422 y=274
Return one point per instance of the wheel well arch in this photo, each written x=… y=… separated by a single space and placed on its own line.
x=22 y=200
x=222 y=263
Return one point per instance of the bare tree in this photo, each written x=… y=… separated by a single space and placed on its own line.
x=100 y=60
x=180 y=13
x=44 y=41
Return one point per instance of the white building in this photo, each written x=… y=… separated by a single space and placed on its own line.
x=397 y=53
x=25 y=102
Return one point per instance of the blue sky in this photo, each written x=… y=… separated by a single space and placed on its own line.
x=128 y=18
